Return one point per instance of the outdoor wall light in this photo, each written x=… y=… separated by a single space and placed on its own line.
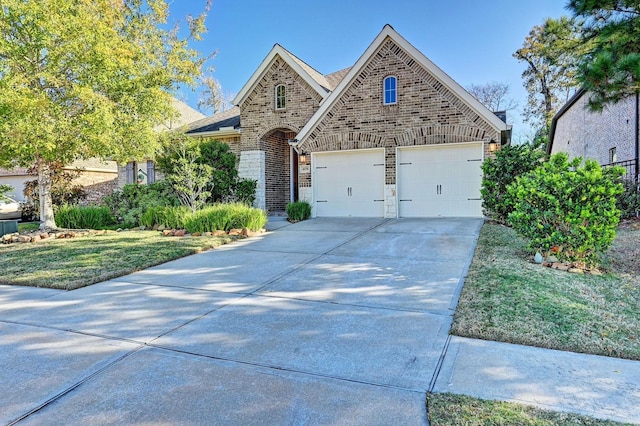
x=303 y=157
x=493 y=146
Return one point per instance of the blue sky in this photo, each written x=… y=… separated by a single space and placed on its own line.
x=471 y=40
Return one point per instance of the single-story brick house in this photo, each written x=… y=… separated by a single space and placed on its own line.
x=609 y=137
x=391 y=136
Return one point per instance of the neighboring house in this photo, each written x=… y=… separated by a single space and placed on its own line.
x=609 y=137
x=97 y=177
x=392 y=136
x=143 y=171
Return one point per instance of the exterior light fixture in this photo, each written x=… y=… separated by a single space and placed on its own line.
x=303 y=157
x=493 y=146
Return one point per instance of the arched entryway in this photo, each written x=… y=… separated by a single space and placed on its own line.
x=281 y=169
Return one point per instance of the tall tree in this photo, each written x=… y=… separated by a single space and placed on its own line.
x=493 y=95
x=610 y=70
x=87 y=78
x=550 y=52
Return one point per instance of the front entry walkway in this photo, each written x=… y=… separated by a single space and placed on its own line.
x=338 y=321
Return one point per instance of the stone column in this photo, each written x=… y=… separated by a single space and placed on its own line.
x=252 y=167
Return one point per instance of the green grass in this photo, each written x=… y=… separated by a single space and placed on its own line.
x=509 y=299
x=453 y=410
x=28 y=226
x=72 y=263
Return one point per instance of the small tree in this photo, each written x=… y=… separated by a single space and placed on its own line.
x=187 y=175
x=500 y=171
x=568 y=209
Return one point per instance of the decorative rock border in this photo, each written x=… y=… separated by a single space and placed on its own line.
x=35 y=236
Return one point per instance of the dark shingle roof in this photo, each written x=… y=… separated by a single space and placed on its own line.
x=229 y=118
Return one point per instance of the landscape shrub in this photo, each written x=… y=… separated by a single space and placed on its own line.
x=213 y=158
x=168 y=216
x=500 y=171
x=300 y=210
x=629 y=200
x=243 y=191
x=567 y=209
x=84 y=217
x=226 y=217
x=133 y=200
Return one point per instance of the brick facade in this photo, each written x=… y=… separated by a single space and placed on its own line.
x=267 y=129
x=582 y=133
x=328 y=113
x=427 y=112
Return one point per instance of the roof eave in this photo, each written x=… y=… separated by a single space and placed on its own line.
x=218 y=133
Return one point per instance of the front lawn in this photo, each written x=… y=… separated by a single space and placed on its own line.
x=447 y=409
x=509 y=299
x=72 y=263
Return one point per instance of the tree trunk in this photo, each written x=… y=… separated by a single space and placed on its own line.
x=47 y=221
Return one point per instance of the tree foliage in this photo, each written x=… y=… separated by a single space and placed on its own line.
x=87 y=78
x=500 y=171
x=493 y=95
x=550 y=52
x=189 y=177
x=224 y=185
x=610 y=69
x=568 y=208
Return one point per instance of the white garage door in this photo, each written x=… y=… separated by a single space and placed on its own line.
x=440 y=180
x=349 y=183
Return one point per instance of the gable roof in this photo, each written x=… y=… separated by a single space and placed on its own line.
x=554 y=121
x=353 y=72
x=312 y=77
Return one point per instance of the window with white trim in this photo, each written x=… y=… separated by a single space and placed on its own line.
x=613 y=155
x=281 y=96
x=389 y=90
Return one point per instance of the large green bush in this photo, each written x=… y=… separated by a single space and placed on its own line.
x=223 y=185
x=566 y=208
x=629 y=200
x=500 y=171
x=225 y=217
x=133 y=200
x=300 y=210
x=84 y=217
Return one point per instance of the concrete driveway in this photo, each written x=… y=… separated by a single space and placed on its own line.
x=323 y=322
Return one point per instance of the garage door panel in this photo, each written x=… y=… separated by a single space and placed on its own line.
x=349 y=183
x=441 y=180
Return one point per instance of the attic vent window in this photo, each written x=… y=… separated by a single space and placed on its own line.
x=389 y=90
x=281 y=96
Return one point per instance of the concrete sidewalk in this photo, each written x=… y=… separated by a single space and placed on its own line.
x=332 y=321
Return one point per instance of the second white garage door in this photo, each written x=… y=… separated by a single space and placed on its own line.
x=349 y=183
x=440 y=180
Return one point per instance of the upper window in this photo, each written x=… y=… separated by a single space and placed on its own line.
x=281 y=96
x=613 y=155
x=389 y=90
